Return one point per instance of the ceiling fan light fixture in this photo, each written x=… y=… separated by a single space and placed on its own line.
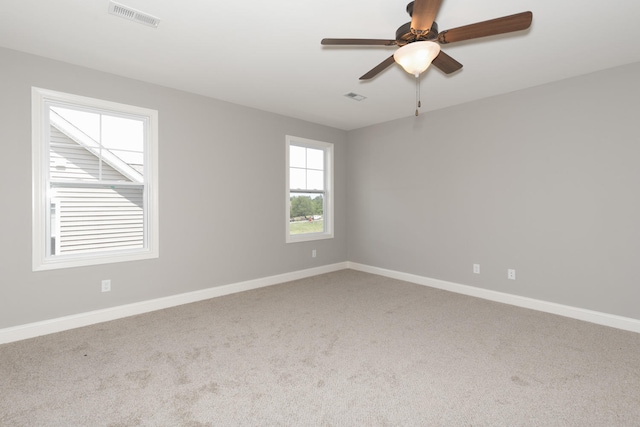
x=416 y=57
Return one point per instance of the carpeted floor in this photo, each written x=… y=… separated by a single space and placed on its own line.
x=341 y=349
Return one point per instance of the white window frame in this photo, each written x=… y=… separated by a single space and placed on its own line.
x=40 y=98
x=327 y=148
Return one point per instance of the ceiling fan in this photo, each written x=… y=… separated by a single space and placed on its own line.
x=420 y=39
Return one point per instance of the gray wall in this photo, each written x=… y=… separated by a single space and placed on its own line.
x=545 y=181
x=216 y=160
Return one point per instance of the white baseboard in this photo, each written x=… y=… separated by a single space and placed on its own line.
x=60 y=324
x=619 y=322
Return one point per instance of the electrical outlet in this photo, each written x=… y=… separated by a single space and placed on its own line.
x=476 y=268
x=313 y=253
x=511 y=274
x=106 y=286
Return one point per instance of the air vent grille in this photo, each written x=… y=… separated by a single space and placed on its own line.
x=133 y=14
x=355 y=96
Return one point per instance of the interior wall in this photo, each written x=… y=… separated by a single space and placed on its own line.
x=222 y=196
x=543 y=181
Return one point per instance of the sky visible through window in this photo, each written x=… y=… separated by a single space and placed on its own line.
x=306 y=168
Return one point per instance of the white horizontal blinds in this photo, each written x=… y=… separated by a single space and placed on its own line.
x=96 y=179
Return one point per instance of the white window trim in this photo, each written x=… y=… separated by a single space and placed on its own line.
x=327 y=147
x=40 y=166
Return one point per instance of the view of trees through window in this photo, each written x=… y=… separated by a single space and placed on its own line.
x=306 y=182
x=309 y=198
x=306 y=214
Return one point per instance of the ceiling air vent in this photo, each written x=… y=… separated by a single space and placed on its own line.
x=355 y=96
x=133 y=14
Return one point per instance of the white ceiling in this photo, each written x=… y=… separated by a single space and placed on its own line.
x=267 y=54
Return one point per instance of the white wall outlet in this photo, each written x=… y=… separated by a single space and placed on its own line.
x=476 y=268
x=511 y=274
x=106 y=285
x=313 y=253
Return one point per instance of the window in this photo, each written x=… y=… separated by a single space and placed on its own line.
x=309 y=189
x=95 y=197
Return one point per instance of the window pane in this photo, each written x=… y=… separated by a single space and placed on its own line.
x=315 y=159
x=94 y=147
x=315 y=180
x=97 y=219
x=310 y=197
x=297 y=157
x=92 y=203
x=297 y=179
x=306 y=214
x=133 y=159
x=69 y=161
x=88 y=123
x=124 y=138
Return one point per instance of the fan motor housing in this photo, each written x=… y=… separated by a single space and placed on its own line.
x=405 y=36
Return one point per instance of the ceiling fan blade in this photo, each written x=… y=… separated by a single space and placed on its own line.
x=446 y=63
x=378 y=68
x=360 y=42
x=424 y=13
x=506 y=24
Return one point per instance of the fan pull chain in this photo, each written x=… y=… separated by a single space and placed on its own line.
x=418 y=103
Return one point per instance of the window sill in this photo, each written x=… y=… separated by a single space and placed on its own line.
x=295 y=238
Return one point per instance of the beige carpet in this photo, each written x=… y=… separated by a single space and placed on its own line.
x=340 y=349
